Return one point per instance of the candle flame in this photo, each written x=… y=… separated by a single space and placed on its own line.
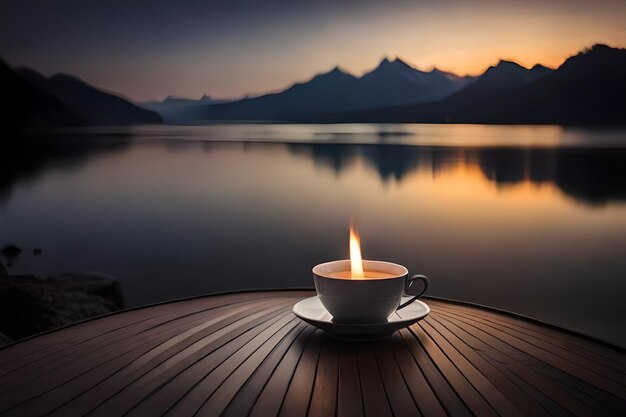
x=356 y=262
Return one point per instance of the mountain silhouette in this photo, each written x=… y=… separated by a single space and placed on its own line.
x=25 y=105
x=587 y=89
x=496 y=80
x=335 y=91
x=538 y=71
x=503 y=77
x=392 y=92
x=390 y=83
x=97 y=107
x=395 y=82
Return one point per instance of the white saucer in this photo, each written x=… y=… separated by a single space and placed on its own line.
x=313 y=312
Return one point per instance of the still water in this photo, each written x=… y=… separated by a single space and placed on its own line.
x=528 y=219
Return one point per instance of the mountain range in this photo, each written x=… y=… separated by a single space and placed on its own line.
x=390 y=83
x=23 y=104
x=30 y=100
x=589 y=88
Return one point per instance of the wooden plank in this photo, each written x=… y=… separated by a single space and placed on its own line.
x=349 y=397
x=422 y=393
x=530 y=401
x=247 y=395
x=217 y=402
x=608 y=369
x=195 y=396
x=157 y=391
x=130 y=394
x=470 y=395
x=99 y=331
x=246 y=354
x=298 y=397
x=56 y=388
x=77 y=361
x=528 y=368
x=324 y=397
x=587 y=348
x=57 y=397
x=47 y=343
x=400 y=398
x=441 y=387
x=94 y=333
x=594 y=397
x=555 y=360
x=273 y=394
x=492 y=384
x=192 y=340
x=375 y=399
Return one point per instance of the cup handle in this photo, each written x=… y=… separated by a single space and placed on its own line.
x=414 y=278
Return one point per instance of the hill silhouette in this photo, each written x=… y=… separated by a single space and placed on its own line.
x=23 y=104
x=334 y=90
x=395 y=82
x=97 y=107
x=390 y=83
x=587 y=89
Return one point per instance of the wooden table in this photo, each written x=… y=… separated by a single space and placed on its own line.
x=247 y=354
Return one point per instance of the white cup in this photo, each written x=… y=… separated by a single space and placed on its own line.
x=364 y=301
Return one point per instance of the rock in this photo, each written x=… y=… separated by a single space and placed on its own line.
x=29 y=305
x=93 y=283
x=4 y=340
x=22 y=308
x=9 y=264
x=11 y=251
x=37 y=251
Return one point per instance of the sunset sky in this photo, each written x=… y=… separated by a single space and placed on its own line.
x=151 y=49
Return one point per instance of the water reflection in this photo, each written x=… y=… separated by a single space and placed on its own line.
x=391 y=162
x=25 y=159
x=592 y=176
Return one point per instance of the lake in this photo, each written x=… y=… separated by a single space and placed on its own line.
x=527 y=219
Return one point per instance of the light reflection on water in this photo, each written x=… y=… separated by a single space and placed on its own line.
x=535 y=230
